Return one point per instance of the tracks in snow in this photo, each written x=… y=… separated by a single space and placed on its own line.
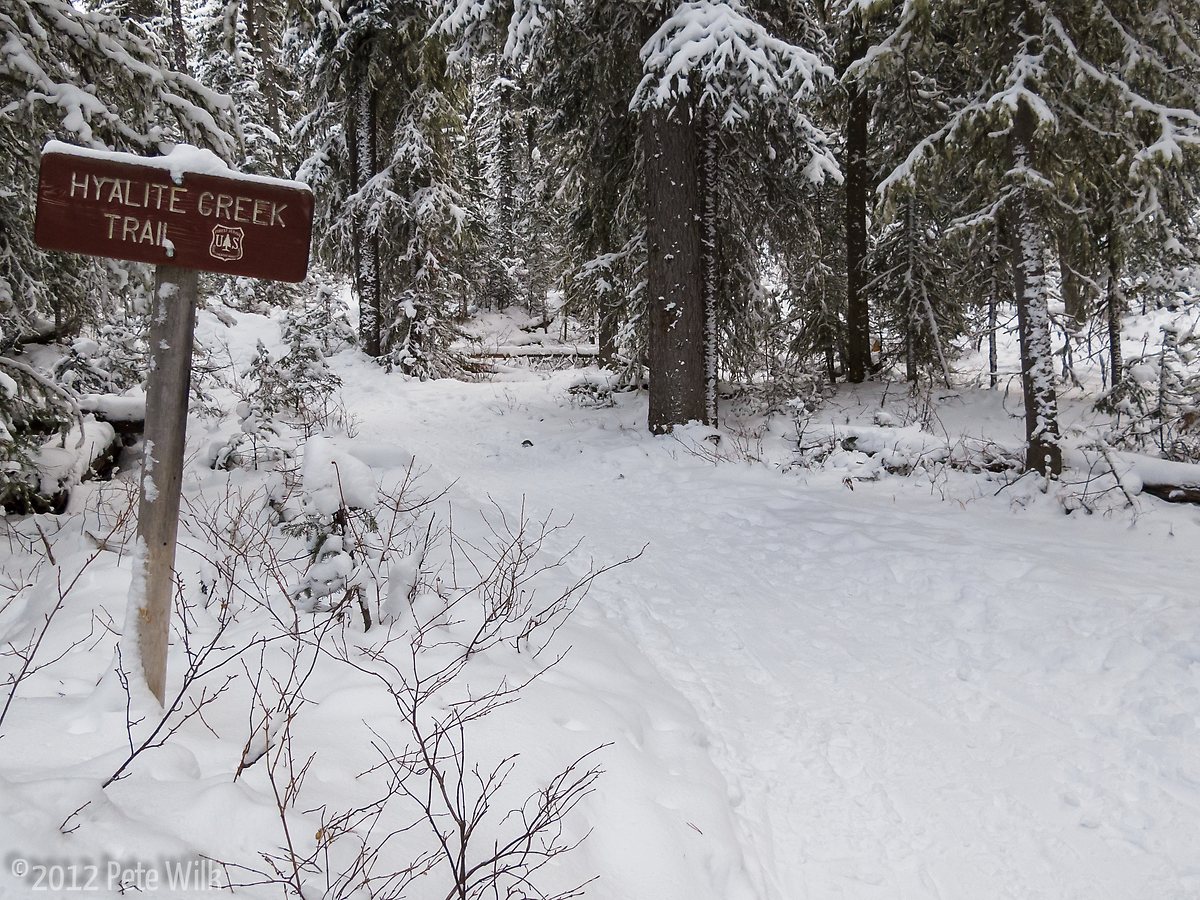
x=906 y=699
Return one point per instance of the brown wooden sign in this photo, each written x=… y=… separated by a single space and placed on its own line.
x=126 y=207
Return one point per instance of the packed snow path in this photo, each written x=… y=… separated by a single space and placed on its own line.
x=905 y=697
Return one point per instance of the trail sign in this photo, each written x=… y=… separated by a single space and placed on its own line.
x=162 y=210
x=184 y=212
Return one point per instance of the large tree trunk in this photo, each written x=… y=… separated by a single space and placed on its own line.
x=709 y=191
x=858 y=317
x=366 y=254
x=1043 y=452
x=674 y=271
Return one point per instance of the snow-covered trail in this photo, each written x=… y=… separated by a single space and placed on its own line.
x=905 y=697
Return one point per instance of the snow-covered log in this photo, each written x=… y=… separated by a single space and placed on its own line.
x=88 y=450
x=1174 y=482
x=517 y=351
x=126 y=415
x=114 y=408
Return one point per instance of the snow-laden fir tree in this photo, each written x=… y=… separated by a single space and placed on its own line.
x=236 y=48
x=384 y=130
x=916 y=284
x=650 y=105
x=709 y=66
x=517 y=241
x=1045 y=86
x=916 y=270
x=89 y=79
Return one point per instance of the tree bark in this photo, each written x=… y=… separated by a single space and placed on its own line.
x=858 y=317
x=366 y=256
x=506 y=203
x=997 y=262
x=709 y=190
x=178 y=38
x=1114 y=306
x=1043 y=452
x=674 y=271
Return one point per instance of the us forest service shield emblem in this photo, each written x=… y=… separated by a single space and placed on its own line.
x=226 y=243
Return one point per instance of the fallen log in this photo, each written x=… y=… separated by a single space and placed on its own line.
x=89 y=450
x=1174 y=493
x=519 y=351
x=1175 y=482
x=127 y=415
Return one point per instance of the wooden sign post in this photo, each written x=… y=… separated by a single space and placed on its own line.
x=186 y=212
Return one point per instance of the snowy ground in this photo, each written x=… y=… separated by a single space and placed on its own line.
x=904 y=697
x=811 y=686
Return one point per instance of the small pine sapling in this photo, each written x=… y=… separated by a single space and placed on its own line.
x=1157 y=404
x=258 y=438
x=305 y=384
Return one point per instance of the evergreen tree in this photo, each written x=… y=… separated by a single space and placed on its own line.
x=1047 y=86
x=88 y=78
x=708 y=65
x=385 y=126
x=237 y=49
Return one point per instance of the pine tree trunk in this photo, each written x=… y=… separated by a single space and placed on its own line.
x=709 y=199
x=178 y=38
x=533 y=256
x=608 y=327
x=1115 y=304
x=1043 y=452
x=935 y=336
x=858 y=318
x=268 y=77
x=911 y=371
x=997 y=261
x=506 y=174
x=607 y=334
x=366 y=242
x=993 y=356
x=675 y=268
x=1075 y=300
x=912 y=323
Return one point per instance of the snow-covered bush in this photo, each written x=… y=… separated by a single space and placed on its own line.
x=251 y=294
x=305 y=385
x=288 y=398
x=1157 y=404
x=109 y=363
x=32 y=408
x=336 y=501
x=594 y=390
x=259 y=438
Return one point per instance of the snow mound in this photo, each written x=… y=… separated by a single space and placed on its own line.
x=333 y=478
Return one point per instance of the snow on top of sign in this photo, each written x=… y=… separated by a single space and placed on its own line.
x=179 y=160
